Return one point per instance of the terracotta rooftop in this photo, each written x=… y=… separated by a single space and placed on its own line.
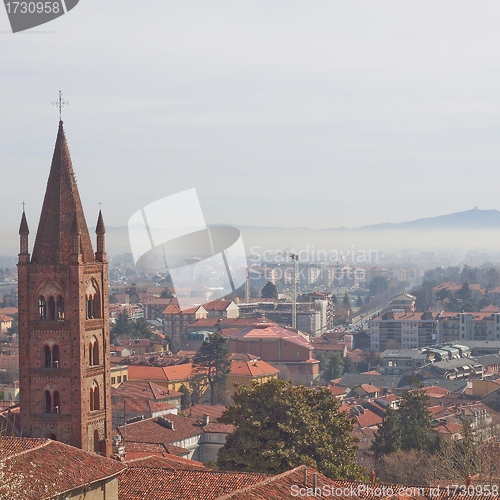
x=166 y=373
x=267 y=331
x=217 y=305
x=143 y=390
x=46 y=469
x=254 y=368
x=61 y=207
x=151 y=431
x=213 y=411
x=139 y=483
x=165 y=462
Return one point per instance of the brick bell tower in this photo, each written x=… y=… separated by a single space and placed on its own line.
x=65 y=391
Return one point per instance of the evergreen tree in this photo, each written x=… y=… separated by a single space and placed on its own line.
x=167 y=293
x=416 y=421
x=408 y=427
x=335 y=368
x=185 y=398
x=349 y=365
x=269 y=291
x=281 y=426
x=359 y=301
x=388 y=436
x=213 y=360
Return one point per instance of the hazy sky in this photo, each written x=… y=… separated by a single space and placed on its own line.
x=289 y=113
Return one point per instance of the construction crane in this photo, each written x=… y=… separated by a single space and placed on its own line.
x=295 y=259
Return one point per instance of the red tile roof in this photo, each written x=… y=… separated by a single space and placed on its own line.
x=368 y=419
x=254 y=368
x=46 y=469
x=157 y=484
x=166 y=373
x=217 y=305
x=143 y=390
x=150 y=431
x=213 y=411
x=165 y=462
x=268 y=331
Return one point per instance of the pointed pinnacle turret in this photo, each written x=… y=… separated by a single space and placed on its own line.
x=23 y=228
x=54 y=238
x=100 y=229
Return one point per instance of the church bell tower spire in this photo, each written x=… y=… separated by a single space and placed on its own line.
x=65 y=391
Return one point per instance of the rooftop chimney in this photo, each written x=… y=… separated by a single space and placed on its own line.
x=373 y=476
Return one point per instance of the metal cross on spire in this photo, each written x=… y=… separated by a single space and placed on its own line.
x=60 y=103
x=23 y=205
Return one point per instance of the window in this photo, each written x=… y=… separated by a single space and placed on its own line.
x=93 y=301
x=124 y=378
x=51 y=356
x=57 y=402
x=119 y=379
x=60 y=308
x=52 y=401
x=48 y=402
x=113 y=380
x=42 y=308
x=95 y=403
x=51 y=309
x=94 y=352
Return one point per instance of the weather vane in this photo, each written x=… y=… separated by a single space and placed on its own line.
x=60 y=103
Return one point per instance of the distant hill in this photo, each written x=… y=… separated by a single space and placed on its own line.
x=459 y=221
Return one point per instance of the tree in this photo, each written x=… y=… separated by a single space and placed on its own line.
x=359 y=301
x=388 y=436
x=335 y=367
x=185 y=398
x=269 y=291
x=213 y=359
x=167 y=293
x=408 y=427
x=378 y=285
x=123 y=324
x=349 y=365
x=281 y=426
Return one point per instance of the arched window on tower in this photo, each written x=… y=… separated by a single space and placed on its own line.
x=97 y=305
x=51 y=309
x=42 y=308
x=94 y=352
x=56 y=408
x=55 y=356
x=97 y=402
x=60 y=308
x=90 y=306
x=47 y=354
x=51 y=356
x=93 y=300
x=48 y=402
